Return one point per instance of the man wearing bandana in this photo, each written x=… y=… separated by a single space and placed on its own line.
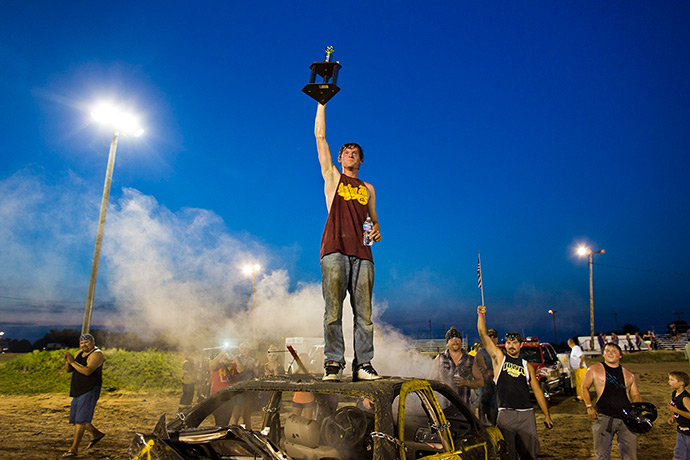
x=456 y=368
x=513 y=377
x=87 y=378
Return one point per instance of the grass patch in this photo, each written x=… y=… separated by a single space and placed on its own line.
x=136 y=371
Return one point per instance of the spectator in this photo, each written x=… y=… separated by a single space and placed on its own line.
x=615 y=387
x=577 y=364
x=85 y=388
x=244 y=403
x=224 y=371
x=456 y=368
x=602 y=341
x=488 y=406
x=674 y=334
x=272 y=366
x=188 y=381
x=680 y=409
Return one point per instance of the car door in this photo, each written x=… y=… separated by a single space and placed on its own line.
x=422 y=426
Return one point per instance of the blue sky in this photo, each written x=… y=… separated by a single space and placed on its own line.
x=516 y=129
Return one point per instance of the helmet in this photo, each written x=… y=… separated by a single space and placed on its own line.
x=639 y=417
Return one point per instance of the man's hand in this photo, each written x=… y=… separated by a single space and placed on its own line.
x=592 y=413
x=68 y=357
x=481 y=310
x=460 y=381
x=376 y=232
x=548 y=423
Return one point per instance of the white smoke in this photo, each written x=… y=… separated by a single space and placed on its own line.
x=172 y=272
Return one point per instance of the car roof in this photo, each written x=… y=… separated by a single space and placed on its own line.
x=313 y=383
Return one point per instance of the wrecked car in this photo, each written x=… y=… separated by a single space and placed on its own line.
x=299 y=417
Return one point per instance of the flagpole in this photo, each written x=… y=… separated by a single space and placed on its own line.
x=479 y=275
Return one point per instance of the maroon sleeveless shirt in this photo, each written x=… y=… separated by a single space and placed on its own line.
x=343 y=232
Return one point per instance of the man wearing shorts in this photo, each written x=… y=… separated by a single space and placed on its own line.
x=87 y=378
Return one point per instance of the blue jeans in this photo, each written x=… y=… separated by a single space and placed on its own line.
x=682 y=450
x=342 y=274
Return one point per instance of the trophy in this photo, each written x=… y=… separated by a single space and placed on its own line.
x=328 y=70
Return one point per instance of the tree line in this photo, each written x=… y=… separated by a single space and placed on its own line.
x=69 y=338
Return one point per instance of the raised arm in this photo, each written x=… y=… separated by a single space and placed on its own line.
x=328 y=169
x=491 y=348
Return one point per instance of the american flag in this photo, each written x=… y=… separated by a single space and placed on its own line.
x=479 y=272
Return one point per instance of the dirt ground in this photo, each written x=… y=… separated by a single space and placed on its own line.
x=35 y=427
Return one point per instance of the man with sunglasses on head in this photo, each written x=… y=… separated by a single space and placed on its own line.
x=616 y=388
x=513 y=377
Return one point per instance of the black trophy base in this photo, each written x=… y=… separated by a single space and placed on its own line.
x=321 y=92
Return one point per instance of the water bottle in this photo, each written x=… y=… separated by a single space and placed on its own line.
x=368 y=227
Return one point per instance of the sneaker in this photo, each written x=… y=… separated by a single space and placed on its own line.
x=365 y=372
x=332 y=372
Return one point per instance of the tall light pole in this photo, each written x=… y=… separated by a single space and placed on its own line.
x=253 y=270
x=121 y=123
x=555 y=335
x=585 y=251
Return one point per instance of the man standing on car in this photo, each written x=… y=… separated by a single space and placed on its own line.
x=616 y=387
x=87 y=378
x=346 y=263
x=513 y=377
x=456 y=368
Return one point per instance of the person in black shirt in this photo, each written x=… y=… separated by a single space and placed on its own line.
x=680 y=408
x=87 y=377
x=513 y=377
x=616 y=387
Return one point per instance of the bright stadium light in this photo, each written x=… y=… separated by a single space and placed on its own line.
x=121 y=123
x=117 y=119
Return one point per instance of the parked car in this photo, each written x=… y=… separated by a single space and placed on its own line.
x=391 y=418
x=553 y=377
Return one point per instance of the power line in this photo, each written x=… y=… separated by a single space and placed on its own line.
x=663 y=272
x=42 y=301
x=37 y=300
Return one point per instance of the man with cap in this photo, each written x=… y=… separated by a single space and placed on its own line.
x=488 y=405
x=513 y=377
x=87 y=378
x=456 y=368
